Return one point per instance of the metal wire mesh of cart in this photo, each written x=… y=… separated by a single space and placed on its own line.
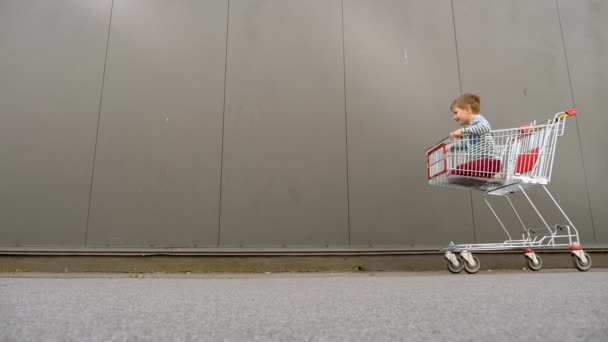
x=522 y=155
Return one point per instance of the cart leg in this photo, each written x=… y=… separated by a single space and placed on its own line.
x=573 y=243
x=496 y=216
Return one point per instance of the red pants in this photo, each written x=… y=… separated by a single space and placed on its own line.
x=481 y=168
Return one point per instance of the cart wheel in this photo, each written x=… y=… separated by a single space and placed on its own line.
x=456 y=269
x=579 y=264
x=472 y=269
x=533 y=266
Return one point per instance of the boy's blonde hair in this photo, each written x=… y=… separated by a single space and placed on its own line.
x=464 y=100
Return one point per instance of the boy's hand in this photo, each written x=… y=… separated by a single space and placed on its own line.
x=457 y=134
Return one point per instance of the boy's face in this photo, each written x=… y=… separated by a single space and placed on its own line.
x=463 y=115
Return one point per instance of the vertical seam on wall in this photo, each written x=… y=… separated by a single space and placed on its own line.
x=460 y=88
x=580 y=143
x=219 y=220
x=346 y=130
x=456 y=46
x=103 y=79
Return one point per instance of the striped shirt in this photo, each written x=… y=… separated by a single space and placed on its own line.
x=477 y=139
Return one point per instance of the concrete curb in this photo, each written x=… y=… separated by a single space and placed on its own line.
x=287 y=263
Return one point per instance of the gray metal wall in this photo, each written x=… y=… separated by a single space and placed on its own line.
x=271 y=123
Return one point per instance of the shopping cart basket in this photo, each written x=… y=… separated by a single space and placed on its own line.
x=520 y=158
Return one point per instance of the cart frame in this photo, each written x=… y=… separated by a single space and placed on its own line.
x=526 y=156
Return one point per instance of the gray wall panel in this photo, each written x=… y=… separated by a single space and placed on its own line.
x=50 y=84
x=270 y=122
x=401 y=75
x=284 y=168
x=157 y=170
x=511 y=53
x=585 y=26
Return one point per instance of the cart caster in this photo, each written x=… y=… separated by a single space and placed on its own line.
x=472 y=267
x=535 y=266
x=535 y=263
x=471 y=263
x=455 y=263
x=456 y=269
x=579 y=264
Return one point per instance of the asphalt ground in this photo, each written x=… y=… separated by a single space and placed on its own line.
x=550 y=305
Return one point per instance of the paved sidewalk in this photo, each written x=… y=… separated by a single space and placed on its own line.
x=552 y=305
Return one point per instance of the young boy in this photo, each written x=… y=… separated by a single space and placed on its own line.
x=481 y=159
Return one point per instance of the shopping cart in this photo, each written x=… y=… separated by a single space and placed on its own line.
x=521 y=158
